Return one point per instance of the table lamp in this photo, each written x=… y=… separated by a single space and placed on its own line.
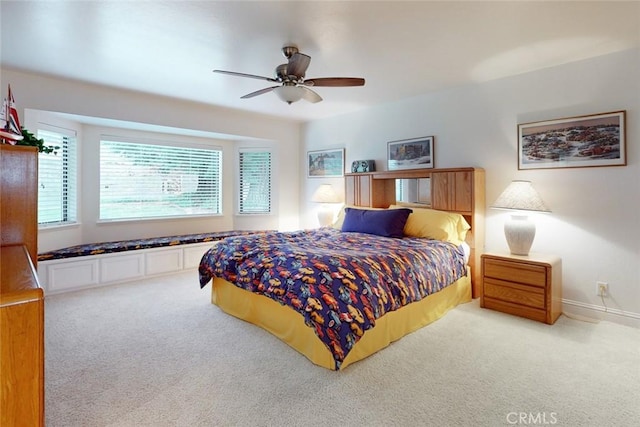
x=326 y=196
x=521 y=197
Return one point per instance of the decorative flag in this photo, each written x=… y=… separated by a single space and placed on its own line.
x=14 y=120
x=11 y=130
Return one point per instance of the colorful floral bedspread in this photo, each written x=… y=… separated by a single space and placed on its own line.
x=339 y=282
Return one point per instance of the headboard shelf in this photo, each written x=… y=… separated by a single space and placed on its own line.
x=413 y=173
x=459 y=190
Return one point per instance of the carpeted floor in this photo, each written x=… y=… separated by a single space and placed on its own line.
x=157 y=353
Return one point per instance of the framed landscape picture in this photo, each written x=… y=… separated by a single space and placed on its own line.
x=416 y=153
x=325 y=163
x=593 y=140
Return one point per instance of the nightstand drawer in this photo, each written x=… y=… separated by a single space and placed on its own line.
x=521 y=272
x=519 y=294
x=517 y=310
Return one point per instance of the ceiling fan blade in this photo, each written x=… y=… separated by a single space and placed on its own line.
x=310 y=95
x=298 y=64
x=251 y=76
x=259 y=92
x=335 y=81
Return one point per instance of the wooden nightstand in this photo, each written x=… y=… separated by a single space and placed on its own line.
x=527 y=286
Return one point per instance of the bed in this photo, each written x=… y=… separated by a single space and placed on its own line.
x=339 y=294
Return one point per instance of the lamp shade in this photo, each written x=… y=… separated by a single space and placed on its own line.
x=325 y=194
x=289 y=94
x=520 y=195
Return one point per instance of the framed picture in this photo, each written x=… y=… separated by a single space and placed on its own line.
x=325 y=163
x=573 y=142
x=416 y=153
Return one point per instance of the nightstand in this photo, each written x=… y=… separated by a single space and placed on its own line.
x=527 y=286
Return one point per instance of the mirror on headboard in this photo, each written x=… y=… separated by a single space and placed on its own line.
x=413 y=191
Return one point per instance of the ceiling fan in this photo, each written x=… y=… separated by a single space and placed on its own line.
x=292 y=85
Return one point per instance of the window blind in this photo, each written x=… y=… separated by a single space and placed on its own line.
x=57 y=179
x=140 y=181
x=255 y=182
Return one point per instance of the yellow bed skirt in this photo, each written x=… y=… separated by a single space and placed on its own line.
x=288 y=325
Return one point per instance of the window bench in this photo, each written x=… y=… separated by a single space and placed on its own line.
x=107 y=263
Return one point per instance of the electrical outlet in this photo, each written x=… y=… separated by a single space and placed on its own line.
x=602 y=289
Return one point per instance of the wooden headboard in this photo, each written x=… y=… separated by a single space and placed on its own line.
x=459 y=190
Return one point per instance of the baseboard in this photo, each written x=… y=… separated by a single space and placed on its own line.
x=72 y=274
x=596 y=313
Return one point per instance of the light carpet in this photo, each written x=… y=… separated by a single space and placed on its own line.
x=158 y=353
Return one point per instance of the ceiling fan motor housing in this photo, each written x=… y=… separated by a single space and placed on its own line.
x=281 y=72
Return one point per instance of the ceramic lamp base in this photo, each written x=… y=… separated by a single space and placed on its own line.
x=325 y=216
x=519 y=232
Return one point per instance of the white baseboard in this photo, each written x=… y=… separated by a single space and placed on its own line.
x=596 y=313
x=72 y=274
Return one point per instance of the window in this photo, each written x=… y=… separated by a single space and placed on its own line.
x=142 y=181
x=400 y=190
x=255 y=182
x=414 y=190
x=57 y=179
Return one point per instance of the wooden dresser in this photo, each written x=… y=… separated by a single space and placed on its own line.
x=22 y=333
x=21 y=297
x=526 y=286
x=19 y=201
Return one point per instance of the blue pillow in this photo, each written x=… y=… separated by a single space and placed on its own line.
x=386 y=223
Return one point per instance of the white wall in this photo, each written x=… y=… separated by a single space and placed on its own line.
x=595 y=220
x=218 y=126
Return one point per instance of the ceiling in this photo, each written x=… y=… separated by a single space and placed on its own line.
x=402 y=49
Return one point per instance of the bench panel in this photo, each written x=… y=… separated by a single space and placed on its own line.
x=64 y=276
x=159 y=262
x=193 y=254
x=122 y=267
